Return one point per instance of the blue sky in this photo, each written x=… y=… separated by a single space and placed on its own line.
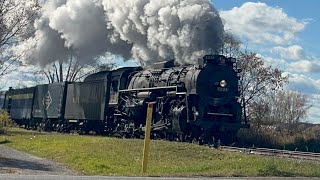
x=308 y=10
x=286 y=34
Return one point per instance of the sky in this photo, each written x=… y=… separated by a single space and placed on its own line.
x=286 y=34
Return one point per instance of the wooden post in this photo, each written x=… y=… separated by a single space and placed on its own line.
x=146 y=148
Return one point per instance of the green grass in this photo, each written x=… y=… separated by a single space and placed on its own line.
x=93 y=155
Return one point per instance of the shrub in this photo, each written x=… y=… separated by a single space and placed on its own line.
x=5 y=121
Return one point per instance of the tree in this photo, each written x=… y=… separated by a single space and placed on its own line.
x=283 y=110
x=256 y=79
x=231 y=46
x=290 y=108
x=72 y=70
x=15 y=18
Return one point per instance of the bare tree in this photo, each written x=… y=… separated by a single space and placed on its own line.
x=72 y=70
x=283 y=109
x=15 y=20
x=231 y=46
x=295 y=105
x=260 y=113
x=256 y=78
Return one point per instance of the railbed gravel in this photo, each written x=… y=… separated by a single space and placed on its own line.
x=15 y=162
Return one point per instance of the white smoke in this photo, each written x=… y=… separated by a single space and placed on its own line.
x=144 y=30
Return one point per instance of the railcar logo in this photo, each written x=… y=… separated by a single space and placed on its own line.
x=47 y=100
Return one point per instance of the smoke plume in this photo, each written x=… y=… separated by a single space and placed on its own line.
x=144 y=30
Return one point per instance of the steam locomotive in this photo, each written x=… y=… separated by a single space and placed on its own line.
x=198 y=102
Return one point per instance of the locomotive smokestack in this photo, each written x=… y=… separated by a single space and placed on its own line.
x=145 y=30
x=164 y=64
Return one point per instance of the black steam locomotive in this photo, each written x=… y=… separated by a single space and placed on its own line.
x=198 y=102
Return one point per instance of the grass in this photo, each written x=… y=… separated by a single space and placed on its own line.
x=93 y=155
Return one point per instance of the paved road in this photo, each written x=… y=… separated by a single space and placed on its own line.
x=15 y=162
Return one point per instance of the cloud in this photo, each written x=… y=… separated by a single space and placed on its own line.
x=295 y=52
x=22 y=77
x=271 y=61
x=313 y=113
x=305 y=66
x=310 y=87
x=261 y=23
x=273 y=34
x=303 y=84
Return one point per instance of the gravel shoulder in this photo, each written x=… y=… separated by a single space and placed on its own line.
x=15 y=162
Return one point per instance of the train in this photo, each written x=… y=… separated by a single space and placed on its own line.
x=200 y=102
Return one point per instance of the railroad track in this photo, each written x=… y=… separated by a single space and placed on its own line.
x=276 y=152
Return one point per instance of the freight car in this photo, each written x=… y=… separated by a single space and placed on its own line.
x=49 y=107
x=197 y=102
x=18 y=104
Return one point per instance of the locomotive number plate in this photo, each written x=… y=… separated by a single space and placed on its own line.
x=221 y=89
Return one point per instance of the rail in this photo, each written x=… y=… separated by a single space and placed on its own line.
x=276 y=152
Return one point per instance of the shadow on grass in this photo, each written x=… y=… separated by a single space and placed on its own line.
x=22 y=132
x=5 y=142
x=272 y=170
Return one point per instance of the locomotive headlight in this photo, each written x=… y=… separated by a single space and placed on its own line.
x=223 y=83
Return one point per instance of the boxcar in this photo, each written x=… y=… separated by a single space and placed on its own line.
x=18 y=103
x=49 y=104
x=86 y=104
